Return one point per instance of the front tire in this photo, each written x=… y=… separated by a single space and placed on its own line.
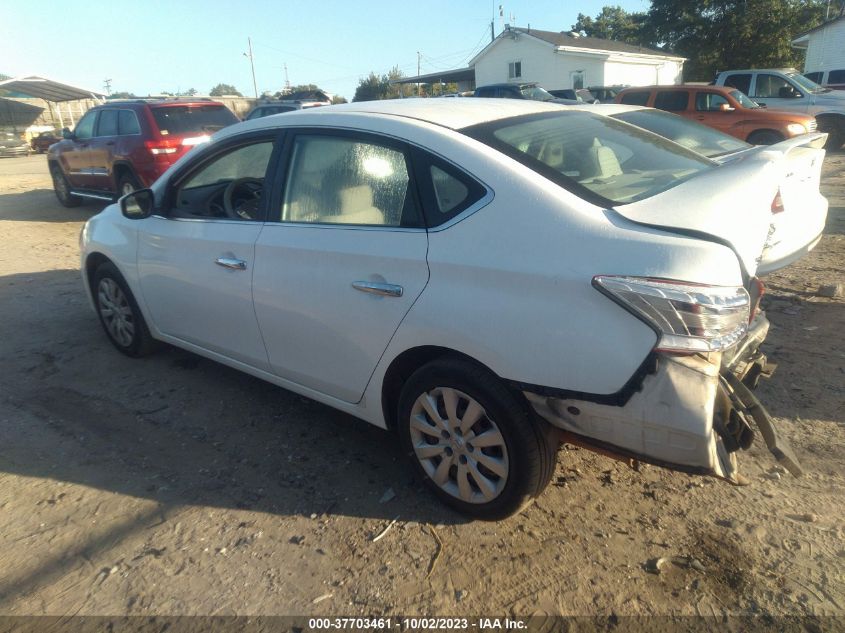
x=119 y=313
x=764 y=137
x=474 y=443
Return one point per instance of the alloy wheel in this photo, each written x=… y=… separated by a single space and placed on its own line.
x=460 y=448
x=116 y=312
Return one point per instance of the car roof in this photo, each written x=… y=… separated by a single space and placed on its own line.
x=669 y=87
x=450 y=113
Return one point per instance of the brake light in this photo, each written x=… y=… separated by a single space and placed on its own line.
x=164 y=146
x=777 y=203
x=689 y=317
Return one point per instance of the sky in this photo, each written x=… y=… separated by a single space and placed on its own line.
x=152 y=46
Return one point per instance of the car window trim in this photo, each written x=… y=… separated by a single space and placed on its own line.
x=213 y=152
x=365 y=136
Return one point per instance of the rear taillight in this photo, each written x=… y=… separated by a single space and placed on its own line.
x=164 y=146
x=689 y=317
x=777 y=203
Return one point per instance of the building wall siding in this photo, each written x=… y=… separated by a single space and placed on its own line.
x=553 y=70
x=826 y=48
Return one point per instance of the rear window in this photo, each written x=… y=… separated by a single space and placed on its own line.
x=635 y=98
x=181 y=120
x=596 y=157
x=699 y=138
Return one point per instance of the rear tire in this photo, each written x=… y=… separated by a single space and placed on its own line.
x=474 y=443
x=119 y=313
x=764 y=137
x=835 y=139
x=62 y=188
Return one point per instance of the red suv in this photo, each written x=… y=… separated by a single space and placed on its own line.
x=121 y=146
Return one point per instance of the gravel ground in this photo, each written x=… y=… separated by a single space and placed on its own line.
x=174 y=485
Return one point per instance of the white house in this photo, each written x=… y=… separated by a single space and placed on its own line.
x=825 y=46
x=558 y=60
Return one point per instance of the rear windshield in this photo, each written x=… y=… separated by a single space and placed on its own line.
x=699 y=138
x=598 y=158
x=181 y=120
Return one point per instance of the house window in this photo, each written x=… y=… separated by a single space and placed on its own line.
x=514 y=70
x=577 y=77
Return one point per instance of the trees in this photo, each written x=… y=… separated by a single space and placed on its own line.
x=122 y=95
x=718 y=35
x=713 y=35
x=374 y=87
x=224 y=89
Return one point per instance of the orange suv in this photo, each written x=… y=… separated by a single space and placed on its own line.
x=121 y=146
x=725 y=109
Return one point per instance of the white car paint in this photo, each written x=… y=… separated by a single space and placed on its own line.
x=507 y=283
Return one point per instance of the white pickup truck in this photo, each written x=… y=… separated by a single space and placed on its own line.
x=787 y=89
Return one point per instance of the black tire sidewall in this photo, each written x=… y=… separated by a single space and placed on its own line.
x=528 y=446
x=68 y=200
x=142 y=341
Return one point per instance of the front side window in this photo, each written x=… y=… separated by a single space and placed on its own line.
x=514 y=70
x=598 y=158
x=341 y=180
x=672 y=100
x=230 y=186
x=85 y=128
x=710 y=102
x=773 y=87
x=107 y=123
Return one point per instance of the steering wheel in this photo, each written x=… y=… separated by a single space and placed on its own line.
x=245 y=205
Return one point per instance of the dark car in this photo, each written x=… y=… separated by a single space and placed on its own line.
x=278 y=107
x=125 y=145
x=519 y=91
x=12 y=145
x=43 y=141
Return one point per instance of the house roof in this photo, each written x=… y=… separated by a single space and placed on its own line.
x=566 y=39
x=48 y=89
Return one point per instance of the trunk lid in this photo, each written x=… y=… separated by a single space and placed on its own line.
x=733 y=204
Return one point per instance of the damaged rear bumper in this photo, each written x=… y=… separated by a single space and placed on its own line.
x=692 y=413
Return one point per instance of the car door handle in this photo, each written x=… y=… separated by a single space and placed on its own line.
x=375 y=288
x=230 y=262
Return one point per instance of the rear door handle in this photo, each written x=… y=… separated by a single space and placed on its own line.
x=375 y=288
x=230 y=262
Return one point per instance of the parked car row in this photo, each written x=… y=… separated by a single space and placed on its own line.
x=11 y=145
x=385 y=259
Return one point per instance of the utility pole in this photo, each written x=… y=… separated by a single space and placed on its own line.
x=287 y=81
x=252 y=65
x=107 y=85
x=492 y=30
x=418 y=73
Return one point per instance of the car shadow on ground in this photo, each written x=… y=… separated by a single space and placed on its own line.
x=40 y=205
x=178 y=428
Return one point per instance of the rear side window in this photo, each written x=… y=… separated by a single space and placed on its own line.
x=740 y=81
x=836 y=77
x=672 y=100
x=107 y=124
x=447 y=191
x=635 y=98
x=598 y=158
x=181 y=120
x=128 y=123
x=817 y=77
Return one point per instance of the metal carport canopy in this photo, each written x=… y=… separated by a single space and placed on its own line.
x=49 y=90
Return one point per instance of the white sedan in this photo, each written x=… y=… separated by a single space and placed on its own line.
x=484 y=277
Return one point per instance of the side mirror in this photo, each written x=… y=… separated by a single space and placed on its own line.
x=66 y=133
x=726 y=107
x=138 y=205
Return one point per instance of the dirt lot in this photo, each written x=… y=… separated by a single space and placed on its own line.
x=174 y=485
